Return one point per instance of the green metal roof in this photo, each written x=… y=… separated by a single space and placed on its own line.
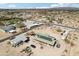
x=45 y=38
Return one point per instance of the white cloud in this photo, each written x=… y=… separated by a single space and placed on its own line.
x=3 y=3
x=42 y=7
x=57 y=5
x=54 y=5
x=61 y=4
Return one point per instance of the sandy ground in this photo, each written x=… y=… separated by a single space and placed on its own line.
x=4 y=35
x=47 y=50
x=74 y=37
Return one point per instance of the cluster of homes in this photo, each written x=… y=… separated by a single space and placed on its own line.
x=21 y=37
x=12 y=28
x=38 y=36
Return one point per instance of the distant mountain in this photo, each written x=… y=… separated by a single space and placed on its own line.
x=55 y=8
x=65 y=8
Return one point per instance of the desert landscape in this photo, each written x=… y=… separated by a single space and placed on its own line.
x=39 y=32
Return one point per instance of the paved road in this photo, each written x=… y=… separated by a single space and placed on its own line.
x=51 y=24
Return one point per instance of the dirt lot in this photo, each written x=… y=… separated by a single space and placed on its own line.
x=47 y=50
x=3 y=35
x=65 y=47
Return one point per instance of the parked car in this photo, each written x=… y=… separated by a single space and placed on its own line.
x=33 y=46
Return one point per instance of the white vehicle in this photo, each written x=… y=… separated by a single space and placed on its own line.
x=65 y=34
x=12 y=31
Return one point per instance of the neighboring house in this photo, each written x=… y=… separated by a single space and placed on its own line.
x=45 y=38
x=30 y=24
x=1 y=30
x=9 y=28
x=18 y=39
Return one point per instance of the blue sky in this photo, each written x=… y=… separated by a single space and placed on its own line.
x=37 y=5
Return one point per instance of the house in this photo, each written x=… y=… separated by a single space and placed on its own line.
x=45 y=38
x=30 y=24
x=18 y=39
x=9 y=28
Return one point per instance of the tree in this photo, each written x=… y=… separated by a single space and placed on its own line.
x=1 y=24
x=20 y=25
